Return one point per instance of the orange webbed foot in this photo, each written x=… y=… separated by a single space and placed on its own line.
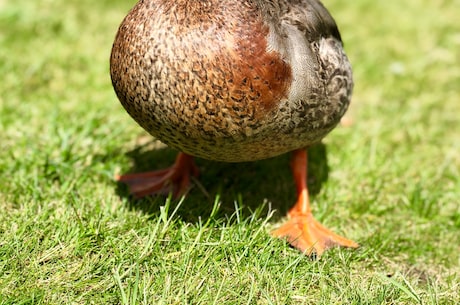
x=302 y=230
x=305 y=233
x=175 y=179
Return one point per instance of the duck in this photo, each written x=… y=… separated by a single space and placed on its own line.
x=234 y=81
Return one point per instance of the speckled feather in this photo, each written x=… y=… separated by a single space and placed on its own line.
x=232 y=80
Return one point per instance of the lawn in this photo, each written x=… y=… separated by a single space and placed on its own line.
x=389 y=178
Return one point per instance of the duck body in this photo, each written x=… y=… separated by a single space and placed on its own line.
x=232 y=80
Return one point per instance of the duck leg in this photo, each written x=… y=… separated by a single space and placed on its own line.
x=302 y=231
x=175 y=179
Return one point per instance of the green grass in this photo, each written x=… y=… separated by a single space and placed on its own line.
x=70 y=235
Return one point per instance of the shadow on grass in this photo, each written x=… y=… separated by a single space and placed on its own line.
x=249 y=184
